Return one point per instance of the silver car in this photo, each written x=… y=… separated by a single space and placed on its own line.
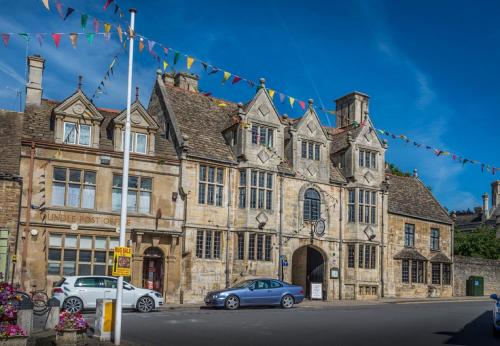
x=77 y=293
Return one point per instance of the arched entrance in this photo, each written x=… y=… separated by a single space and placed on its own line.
x=308 y=266
x=152 y=269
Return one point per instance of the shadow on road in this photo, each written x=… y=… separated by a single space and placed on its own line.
x=478 y=332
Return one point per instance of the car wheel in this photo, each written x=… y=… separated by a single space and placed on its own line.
x=287 y=302
x=73 y=305
x=145 y=304
x=232 y=303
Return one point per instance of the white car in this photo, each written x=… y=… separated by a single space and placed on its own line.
x=77 y=293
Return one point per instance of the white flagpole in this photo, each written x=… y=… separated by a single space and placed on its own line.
x=126 y=157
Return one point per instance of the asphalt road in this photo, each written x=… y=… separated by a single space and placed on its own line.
x=457 y=323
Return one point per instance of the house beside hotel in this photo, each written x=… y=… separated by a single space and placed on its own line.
x=221 y=194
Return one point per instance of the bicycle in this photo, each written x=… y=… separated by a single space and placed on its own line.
x=39 y=299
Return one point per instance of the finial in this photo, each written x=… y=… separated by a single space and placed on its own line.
x=136 y=93
x=415 y=173
x=311 y=102
x=158 y=72
x=80 y=78
x=262 y=82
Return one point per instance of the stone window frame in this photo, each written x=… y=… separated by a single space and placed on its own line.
x=242 y=189
x=368 y=290
x=260 y=247
x=438 y=272
x=139 y=191
x=312 y=203
x=351 y=205
x=351 y=255
x=260 y=131
x=133 y=142
x=372 y=158
x=325 y=210
x=67 y=182
x=258 y=188
x=211 y=240
x=367 y=256
x=240 y=246
x=419 y=276
x=310 y=150
x=409 y=237
x=63 y=247
x=205 y=183
x=367 y=208
x=77 y=127
x=435 y=239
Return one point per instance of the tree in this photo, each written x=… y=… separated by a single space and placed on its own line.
x=480 y=242
x=397 y=171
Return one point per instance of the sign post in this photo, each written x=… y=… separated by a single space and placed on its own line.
x=126 y=158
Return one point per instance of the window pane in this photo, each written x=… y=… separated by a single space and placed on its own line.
x=53 y=268
x=84 y=269
x=70 y=241
x=269 y=181
x=203 y=173
x=100 y=256
x=260 y=245
x=132 y=201
x=361 y=158
x=217 y=245
x=100 y=269
x=100 y=243
x=304 y=149
x=199 y=244
x=220 y=175
x=75 y=175
x=133 y=182
x=58 y=193
x=269 y=200
x=218 y=199
x=147 y=184
x=263 y=139
x=145 y=202
x=113 y=242
x=85 y=242
x=69 y=268
x=270 y=138
x=262 y=178
x=84 y=135
x=54 y=254
x=261 y=199
x=89 y=178
x=88 y=197
x=243 y=177
x=117 y=181
x=254 y=134
x=69 y=255
x=55 y=240
x=69 y=133
x=141 y=143
x=210 y=194
x=73 y=195
x=253 y=198
x=60 y=174
x=268 y=248
x=211 y=174
x=251 y=247
x=208 y=244
x=316 y=152
x=201 y=193
x=85 y=256
x=254 y=178
x=116 y=199
x=311 y=150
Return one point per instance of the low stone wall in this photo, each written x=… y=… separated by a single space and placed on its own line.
x=472 y=266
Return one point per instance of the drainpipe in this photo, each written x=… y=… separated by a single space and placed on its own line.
x=229 y=216
x=452 y=252
x=341 y=243
x=382 y=249
x=280 y=234
x=28 y=216
x=184 y=195
x=18 y=229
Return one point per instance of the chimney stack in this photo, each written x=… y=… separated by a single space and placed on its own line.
x=36 y=64
x=485 y=207
x=495 y=194
x=186 y=81
x=351 y=107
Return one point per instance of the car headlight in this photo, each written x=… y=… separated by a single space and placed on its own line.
x=157 y=295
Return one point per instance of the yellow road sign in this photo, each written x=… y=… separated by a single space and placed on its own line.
x=122 y=261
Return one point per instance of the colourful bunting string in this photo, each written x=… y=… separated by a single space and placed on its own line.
x=141 y=45
x=271 y=93
x=292 y=101
x=176 y=57
x=227 y=75
x=165 y=65
x=214 y=70
x=83 y=21
x=302 y=104
x=73 y=37
x=96 y=25
x=46 y=4
x=69 y=11
x=236 y=79
x=59 y=8
x=5 y=39
x=57 y=39
x=39 y=38
x=90 y=37
x=120 y=33
x=106 y=5
x=282 y=97
x=189 y=62
x=165 y=50
x=24 y=36
x=107 y=29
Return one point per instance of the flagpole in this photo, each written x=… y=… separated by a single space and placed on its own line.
x=126 y=157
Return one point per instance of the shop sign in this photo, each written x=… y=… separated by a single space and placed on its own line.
x=122 y=259
x=316 y=290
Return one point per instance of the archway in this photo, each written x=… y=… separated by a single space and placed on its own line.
x=308 y=266
x=152 y=269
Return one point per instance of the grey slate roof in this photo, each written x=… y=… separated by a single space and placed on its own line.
x=10 y=142
x=409 y=197
x=339 y=136
x=336 y=175
x=203 y=120
x=410 y=254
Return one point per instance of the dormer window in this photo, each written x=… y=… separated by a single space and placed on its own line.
x=138 y=142
x=262 y=135
x=76 y=134
x=310 y=150
x=368 y=159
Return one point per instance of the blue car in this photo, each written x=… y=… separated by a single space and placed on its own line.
x=496 y=314
x=256 y=292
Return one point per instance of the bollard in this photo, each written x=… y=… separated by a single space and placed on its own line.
x=105 y=319
x=53 y=315
x=25 y=315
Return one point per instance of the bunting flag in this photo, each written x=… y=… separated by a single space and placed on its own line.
x=57 y=39
x=141 y=45
x=189 y=62
x=96 y=26
x=59 y=8
x=73 y=37
x=151 y=45
x=165 y=50
x=250 y=83
x=24 y=36
x=302 y=104
x=205 y=66
x=165 y=65
x=227 y=75
x=5 y=39
x=214 y=70
x=282 y=97
x=106 y=5
x=271 y=93
x=107 y=29
x=120 y=33
x=39 y=38
x=69 y=11
x=83 y=21
x=46 y=4
x=176 y=57
x=236 y=79
x=292 y=101
x=90 y=37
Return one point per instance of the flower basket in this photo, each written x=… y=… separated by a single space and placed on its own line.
x=12 y=335
x=71 y=329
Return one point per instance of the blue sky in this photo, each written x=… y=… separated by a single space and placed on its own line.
x=430 y=67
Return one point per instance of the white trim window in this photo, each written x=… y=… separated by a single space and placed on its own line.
x=73 y=188
x=139 y=194
x=77 y=134
x=138 y=142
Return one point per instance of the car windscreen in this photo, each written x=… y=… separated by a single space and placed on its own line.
x=243 y=284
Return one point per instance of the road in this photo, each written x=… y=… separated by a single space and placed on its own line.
x=456 y=323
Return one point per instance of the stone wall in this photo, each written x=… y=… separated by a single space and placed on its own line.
x=472 y=266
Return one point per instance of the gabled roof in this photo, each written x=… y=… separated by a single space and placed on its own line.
x=79 y=96
x=141 y=112
x=409 y=197
x=409 y=254
x=440 y=258
x=203 y=120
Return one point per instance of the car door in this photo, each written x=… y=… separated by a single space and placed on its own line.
x=261 y=294
x=129 y=297
x=110 y=288
x=276 y=292
x=89 y=289
x=110 y=285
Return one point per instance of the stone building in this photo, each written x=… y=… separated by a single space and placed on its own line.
x=221 y=192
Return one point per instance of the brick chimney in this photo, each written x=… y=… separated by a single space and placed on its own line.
x=36 y=64
x=186 y=81
x=351 y=107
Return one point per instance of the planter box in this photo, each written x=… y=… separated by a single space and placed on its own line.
x=14 y=341
x=71 y=338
